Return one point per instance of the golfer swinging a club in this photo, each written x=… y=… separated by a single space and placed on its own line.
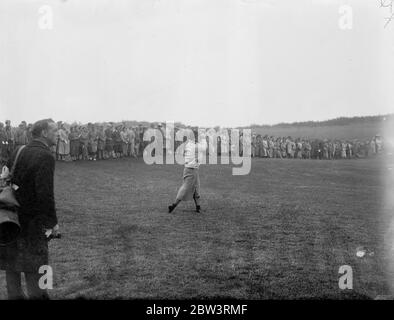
x=190 y=188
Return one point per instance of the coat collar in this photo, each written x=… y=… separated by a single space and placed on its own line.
x=40 y=143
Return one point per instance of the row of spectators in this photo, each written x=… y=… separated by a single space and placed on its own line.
x=287 y=147
x=100 y=141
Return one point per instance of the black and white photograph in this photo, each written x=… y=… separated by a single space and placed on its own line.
x=199 y=150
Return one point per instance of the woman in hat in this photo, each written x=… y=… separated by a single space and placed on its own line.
x=100 y=143
x=109 y=143
x=117 y=142
x=84 y=141
x=63 y=149
x=125 y=141
x=74 y=143
x=93 y=141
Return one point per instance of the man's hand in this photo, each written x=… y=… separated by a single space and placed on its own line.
x=54 y=232
x=5 y=172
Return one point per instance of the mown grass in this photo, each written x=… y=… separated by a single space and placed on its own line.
x=282 y=231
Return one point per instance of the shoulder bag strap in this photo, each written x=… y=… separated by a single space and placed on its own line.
x=15 y=161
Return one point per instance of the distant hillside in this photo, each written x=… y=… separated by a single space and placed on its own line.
x=342 y=121
x=339 y=128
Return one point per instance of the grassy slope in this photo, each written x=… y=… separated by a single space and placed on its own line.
x=352 y=131
x=282 y=231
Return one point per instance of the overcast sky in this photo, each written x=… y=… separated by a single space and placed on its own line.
x=201 y=62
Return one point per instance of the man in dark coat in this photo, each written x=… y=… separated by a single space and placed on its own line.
x=34 y=175
x=10 y=138
x=3 y=145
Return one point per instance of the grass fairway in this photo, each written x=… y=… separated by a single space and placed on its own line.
x=282 y=231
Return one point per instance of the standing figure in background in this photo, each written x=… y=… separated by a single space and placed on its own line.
x=378 y=144
x=321 y=149
x=125 y=141
x=10 y=138
x=283 y=147
x=299 y=149
x=3 y=145
x=109 y=143
x=277 y=151
x=338 y=149
x=325 y=149
x=73 y=137
x=28 y=132
x=331 y=150
x=93 y=142
x=56 y=147
x=131 y=142
x=137 y=142
x=307 y=149
x=21 y=135
x=343 y=149
x=100 y=142
x=372 y=147
x=84 y=142
x=265 y=147
x=289 y=148
x=63 y=149
x=349 y=150
x=253 y=153
x=117 y=141
x=356 y=148
x=271 y=147
x=259 y=146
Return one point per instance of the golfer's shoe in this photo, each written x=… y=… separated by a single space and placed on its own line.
x=171 y=208
x=198 y=209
